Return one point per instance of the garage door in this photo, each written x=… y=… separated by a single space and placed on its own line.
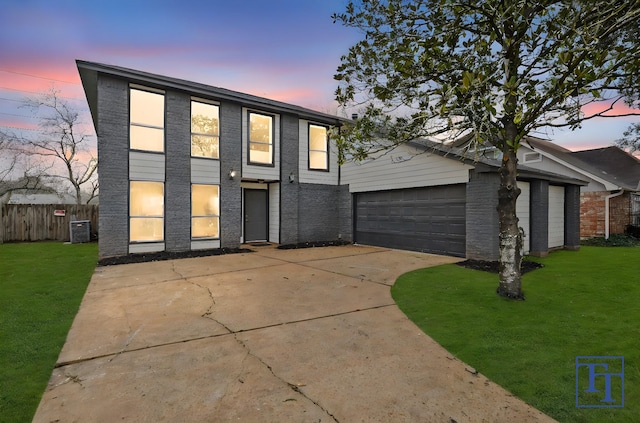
x=556 y=216
x=428 y=219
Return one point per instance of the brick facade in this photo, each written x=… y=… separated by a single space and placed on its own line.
x=307 y=212
x=592 y=213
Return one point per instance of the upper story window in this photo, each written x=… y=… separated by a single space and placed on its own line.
x=146 y=211
x=146 y=120
x=318 y=148
x=205 y=130
x=260 y=139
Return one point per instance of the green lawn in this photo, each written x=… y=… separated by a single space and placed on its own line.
x=41 y=286
x=584 y=303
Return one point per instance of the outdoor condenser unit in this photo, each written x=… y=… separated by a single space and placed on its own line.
x=80 y=231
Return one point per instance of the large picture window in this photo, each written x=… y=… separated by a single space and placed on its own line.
x=146 y=211
x=260 y=139
x=318 y=148
x=146 y=120
x=205 y=130
x=205 y=211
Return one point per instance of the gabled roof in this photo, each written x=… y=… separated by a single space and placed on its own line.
x=89 y=75
x=609 y=164
x=485 y=164
x=615 y=163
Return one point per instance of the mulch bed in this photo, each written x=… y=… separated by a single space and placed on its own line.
x=166 y=255
x=494 y=266
x=313 y=244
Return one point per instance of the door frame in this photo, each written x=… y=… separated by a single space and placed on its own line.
x=266 y=212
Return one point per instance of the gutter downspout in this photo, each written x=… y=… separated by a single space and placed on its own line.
x=606 y=211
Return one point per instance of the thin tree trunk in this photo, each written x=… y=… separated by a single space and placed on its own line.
x=510 y=236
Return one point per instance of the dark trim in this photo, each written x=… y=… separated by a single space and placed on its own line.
x=273 y=139
x=164 y=214
x=164 y=118
x=204 y=238
x=191 y=133
x=328 y=152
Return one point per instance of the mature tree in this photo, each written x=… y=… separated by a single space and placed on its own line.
x=15 y=172
x=60 y=146
x=631 y=139
x=498 y=70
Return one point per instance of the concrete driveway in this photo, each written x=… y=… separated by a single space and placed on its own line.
x=309 y=335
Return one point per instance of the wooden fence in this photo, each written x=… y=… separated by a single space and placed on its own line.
x=40 y=222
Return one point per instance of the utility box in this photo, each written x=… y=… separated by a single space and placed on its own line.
x=80 y=231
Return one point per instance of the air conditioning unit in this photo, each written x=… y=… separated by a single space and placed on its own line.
x=80 y=231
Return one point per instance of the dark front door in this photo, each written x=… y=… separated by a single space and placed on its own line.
x=255 y=215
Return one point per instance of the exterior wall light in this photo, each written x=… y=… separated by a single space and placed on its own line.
x=292 y=178
x=232 y=174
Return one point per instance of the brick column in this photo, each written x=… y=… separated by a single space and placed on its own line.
x=539 y=219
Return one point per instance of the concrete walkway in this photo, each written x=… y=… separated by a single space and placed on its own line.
x=309 y=335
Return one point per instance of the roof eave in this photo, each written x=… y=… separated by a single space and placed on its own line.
x=91 y=70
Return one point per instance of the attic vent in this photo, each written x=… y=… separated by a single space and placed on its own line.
x=531 y=157
x=80 y=231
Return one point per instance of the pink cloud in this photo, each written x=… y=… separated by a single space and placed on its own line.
x=619 y=108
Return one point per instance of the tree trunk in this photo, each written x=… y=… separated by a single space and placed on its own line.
x=510 y=236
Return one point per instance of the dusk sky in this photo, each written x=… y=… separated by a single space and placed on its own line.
x=285 y=50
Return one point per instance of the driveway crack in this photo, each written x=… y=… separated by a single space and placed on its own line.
x=208 y=314
x=292 y=386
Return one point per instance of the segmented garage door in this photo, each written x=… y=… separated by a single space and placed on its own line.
x=430 y=219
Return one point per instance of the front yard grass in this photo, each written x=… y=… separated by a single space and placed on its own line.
x=41 y=286
x=582 y=303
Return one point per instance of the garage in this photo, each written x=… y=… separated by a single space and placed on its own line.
x=427 y=219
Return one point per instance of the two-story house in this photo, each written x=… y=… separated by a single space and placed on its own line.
x=185 y=166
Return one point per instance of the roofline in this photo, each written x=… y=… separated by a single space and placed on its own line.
x=488 y=165
x=90 y=70
x=589 y=172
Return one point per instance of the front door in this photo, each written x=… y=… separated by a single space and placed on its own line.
x=255 y=215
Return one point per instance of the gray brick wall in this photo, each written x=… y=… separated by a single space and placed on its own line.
x=345 y=213
x=289 y=192
x=539 y=220
x=572 y=217
x=113 y=170
x=230 y=191
x=177 y=187
x=319 y=219
x=482 y=241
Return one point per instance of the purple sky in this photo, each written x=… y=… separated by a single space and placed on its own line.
x=286 y=50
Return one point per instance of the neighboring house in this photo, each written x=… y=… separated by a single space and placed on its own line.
x=611 y=199
x=36 y=197
x=187 y=166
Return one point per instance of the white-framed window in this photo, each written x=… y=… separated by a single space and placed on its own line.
x=260 y=139
x=205 y=130
x=318 y=147
x=205 y=211
x=532 y=157
x=146 y=120
x=146 y=211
